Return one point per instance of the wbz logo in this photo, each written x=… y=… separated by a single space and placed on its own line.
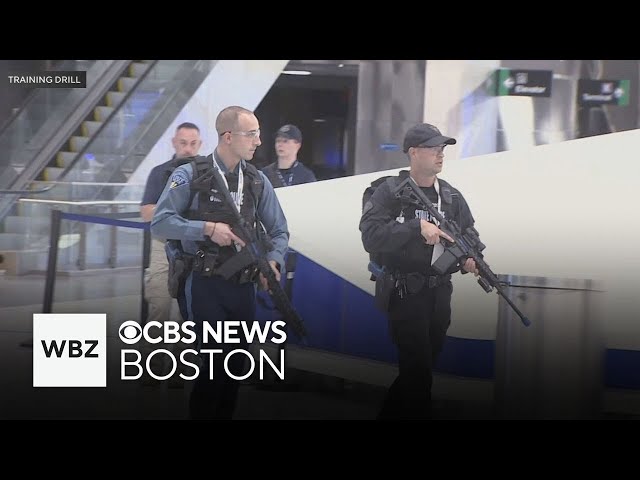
x=74 y=349
x=69 y=350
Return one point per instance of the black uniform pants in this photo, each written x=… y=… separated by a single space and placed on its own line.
x=418 y=325
x=214 y=299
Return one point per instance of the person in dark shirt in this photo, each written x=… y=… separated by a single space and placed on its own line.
x=406 y=240
x=288 y=170
x=186 y=143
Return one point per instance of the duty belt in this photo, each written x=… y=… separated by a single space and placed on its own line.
x=413 y=282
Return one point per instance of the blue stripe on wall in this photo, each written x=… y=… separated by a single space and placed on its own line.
x=342 y=318
x=622 y=368
x=467 y=357
x=475 y=358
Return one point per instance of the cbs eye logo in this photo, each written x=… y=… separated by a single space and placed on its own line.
x=130 y=332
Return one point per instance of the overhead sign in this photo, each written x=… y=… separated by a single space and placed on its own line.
x=521 y=83
x=603 y=92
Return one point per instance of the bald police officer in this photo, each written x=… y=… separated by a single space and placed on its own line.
x=204 y=224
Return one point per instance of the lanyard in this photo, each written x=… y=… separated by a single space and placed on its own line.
x=237 y=196
x=436 y=186
x=290 y=181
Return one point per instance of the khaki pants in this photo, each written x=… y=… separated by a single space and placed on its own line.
x=162 y=308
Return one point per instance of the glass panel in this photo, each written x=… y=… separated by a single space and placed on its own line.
x=82 y=191
x=43 y=113
x=123 y=142
x=34 y=219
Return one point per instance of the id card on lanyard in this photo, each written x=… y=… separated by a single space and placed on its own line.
x=289 y=181
x=237 y=195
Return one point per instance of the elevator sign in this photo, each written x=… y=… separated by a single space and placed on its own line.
x=603 y=92
x=521 y=83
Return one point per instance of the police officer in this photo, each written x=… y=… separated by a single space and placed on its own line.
x=288 y=170
x=405 y=241
x=210 y=297
x=186 y=143
x=284 y=172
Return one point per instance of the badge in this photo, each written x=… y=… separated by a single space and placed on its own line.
x=178 y=178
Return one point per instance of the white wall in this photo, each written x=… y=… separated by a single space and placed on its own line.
x=456 y=102
x=231 y=82
x=565 y=210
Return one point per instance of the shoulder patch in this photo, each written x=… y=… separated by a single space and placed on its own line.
x=178 y=178
x=367 y=206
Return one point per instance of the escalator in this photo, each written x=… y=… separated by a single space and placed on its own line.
x=82 y=141
x=49 y=118
x=100 y=114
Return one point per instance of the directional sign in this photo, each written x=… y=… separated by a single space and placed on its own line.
x=603 y=92
x=521 y=83
x=389 y=146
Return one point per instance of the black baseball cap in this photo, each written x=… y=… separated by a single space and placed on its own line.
x=425 y=135
x=290 y=131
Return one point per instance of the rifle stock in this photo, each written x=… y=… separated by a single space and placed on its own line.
x=466 y=245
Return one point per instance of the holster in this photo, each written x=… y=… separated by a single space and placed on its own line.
x=179 y=270
x=415 y=281
x=385 y=286
x=205 y=263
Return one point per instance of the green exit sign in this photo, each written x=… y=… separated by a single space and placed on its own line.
x=520 y=83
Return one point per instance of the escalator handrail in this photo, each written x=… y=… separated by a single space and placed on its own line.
x=150 y=124
x=26 y=192
x=25 y=103
x=57 y=138
x=60 y=136
x=88 y=145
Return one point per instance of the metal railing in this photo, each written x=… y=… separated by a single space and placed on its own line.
x=56 y=219
x=58 y=128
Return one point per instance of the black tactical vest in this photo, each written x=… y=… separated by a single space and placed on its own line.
x=415 y=256
x=212 y=206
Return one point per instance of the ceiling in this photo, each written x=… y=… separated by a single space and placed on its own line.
x=346 y=68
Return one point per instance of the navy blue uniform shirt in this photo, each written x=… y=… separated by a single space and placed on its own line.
x=170 y=218
x=156 y=181
x=296 y=175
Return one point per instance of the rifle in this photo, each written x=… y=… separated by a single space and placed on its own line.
x=466 y=245
x=254 y=253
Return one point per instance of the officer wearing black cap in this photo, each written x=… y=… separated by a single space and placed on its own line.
x=284 y=172
x=288 y=170
x=405 y=241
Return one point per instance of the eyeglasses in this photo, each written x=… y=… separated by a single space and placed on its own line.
x=437 y=149
x=250 y=133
